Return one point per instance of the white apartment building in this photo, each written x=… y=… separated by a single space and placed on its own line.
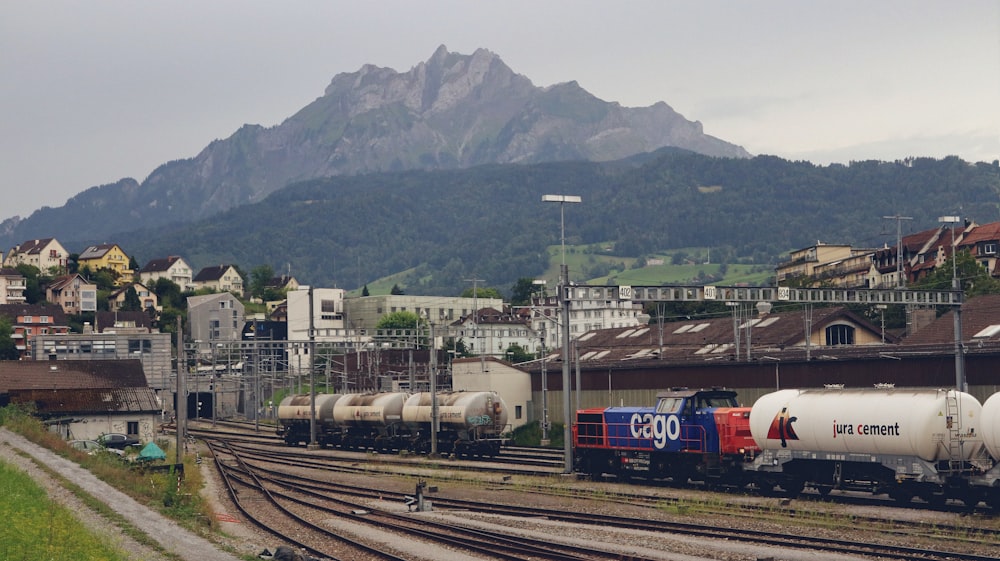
x=584 y=315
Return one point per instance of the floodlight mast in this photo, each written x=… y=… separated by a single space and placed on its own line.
x=959 y=355
x=562 y=217
x=564 y=294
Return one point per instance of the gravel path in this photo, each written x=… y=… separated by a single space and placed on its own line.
x=171 y=537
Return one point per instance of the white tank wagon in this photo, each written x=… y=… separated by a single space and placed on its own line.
x=988 y=482
x=904 y=441
x=991 y=425
x=295 y=411
x=371 y=420
x=469 y=423
x=372 y=409
x=933 y=425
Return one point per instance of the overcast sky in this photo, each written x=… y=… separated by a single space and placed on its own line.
x=94 y=91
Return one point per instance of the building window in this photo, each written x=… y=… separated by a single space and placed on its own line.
x=133 y=428
x=839 y=335
x=517 y=411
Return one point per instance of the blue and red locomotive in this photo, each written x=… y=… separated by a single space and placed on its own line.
x=935 y=444
x=701 y=435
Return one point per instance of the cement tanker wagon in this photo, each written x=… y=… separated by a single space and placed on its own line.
x=370 y=420
x=988 y=482
x=991 y=425
x=902 y=441
x=469 y=423
x=294 y=413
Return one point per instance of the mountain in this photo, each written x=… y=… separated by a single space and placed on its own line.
x=452 y=111
x=441 y=227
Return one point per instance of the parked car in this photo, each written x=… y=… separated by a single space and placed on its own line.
x=117 y=441
x=92 y=447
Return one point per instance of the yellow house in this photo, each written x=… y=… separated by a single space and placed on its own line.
x=107 y=256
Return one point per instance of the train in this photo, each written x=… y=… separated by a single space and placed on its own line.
x=935 y=444
x=470 y=423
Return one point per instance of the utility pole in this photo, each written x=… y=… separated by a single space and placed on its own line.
x=475 y=321
x=312 y=375
x=565 y=289
x=181 y=392
x=900 y=270
x=434 y=402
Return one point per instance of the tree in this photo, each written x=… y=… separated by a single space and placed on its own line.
x=396 y=290
x=484 y=292
x=260 y=277
x=104 y=279
x=516 y=353
x=400 y=320
x=8 y=350
x=131 y=302
x=168 y=293
x=974 y=279
x=459 y=347
x=33 y=292
x=364 y=291
x=520 y=293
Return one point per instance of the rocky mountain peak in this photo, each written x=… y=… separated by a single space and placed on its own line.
x=450 y=111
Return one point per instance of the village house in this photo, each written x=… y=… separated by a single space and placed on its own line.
x=219 y=278
x=148 y=299
x=46 y=254
x=73 y=293
x=30 y=320
x=172 y=268
x=81 y=400
x=110 y=257
x=12 y=286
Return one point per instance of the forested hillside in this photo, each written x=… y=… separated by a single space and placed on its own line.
x=489 y=222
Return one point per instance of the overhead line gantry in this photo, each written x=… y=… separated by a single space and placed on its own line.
x=763 y=293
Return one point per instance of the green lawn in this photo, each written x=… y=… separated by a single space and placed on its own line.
x=582 y=260
x=38 y=528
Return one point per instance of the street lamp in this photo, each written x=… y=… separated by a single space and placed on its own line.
x=959 y=358
x=564 y=289
x=562 y=200
x=954 y=271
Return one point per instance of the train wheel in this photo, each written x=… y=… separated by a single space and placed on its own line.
x=993 y=499
x=767 y=488
x=970 y=499
x=934 y=499
x=900 y=495
x=793 y=487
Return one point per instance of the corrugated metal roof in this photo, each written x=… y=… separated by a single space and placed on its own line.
x=88 y=401
x=70 y=374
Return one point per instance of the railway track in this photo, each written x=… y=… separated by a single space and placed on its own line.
x=525 y=461
x=315 y=489
x=288 y=501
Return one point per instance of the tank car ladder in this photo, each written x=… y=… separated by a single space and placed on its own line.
x=956 y=444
